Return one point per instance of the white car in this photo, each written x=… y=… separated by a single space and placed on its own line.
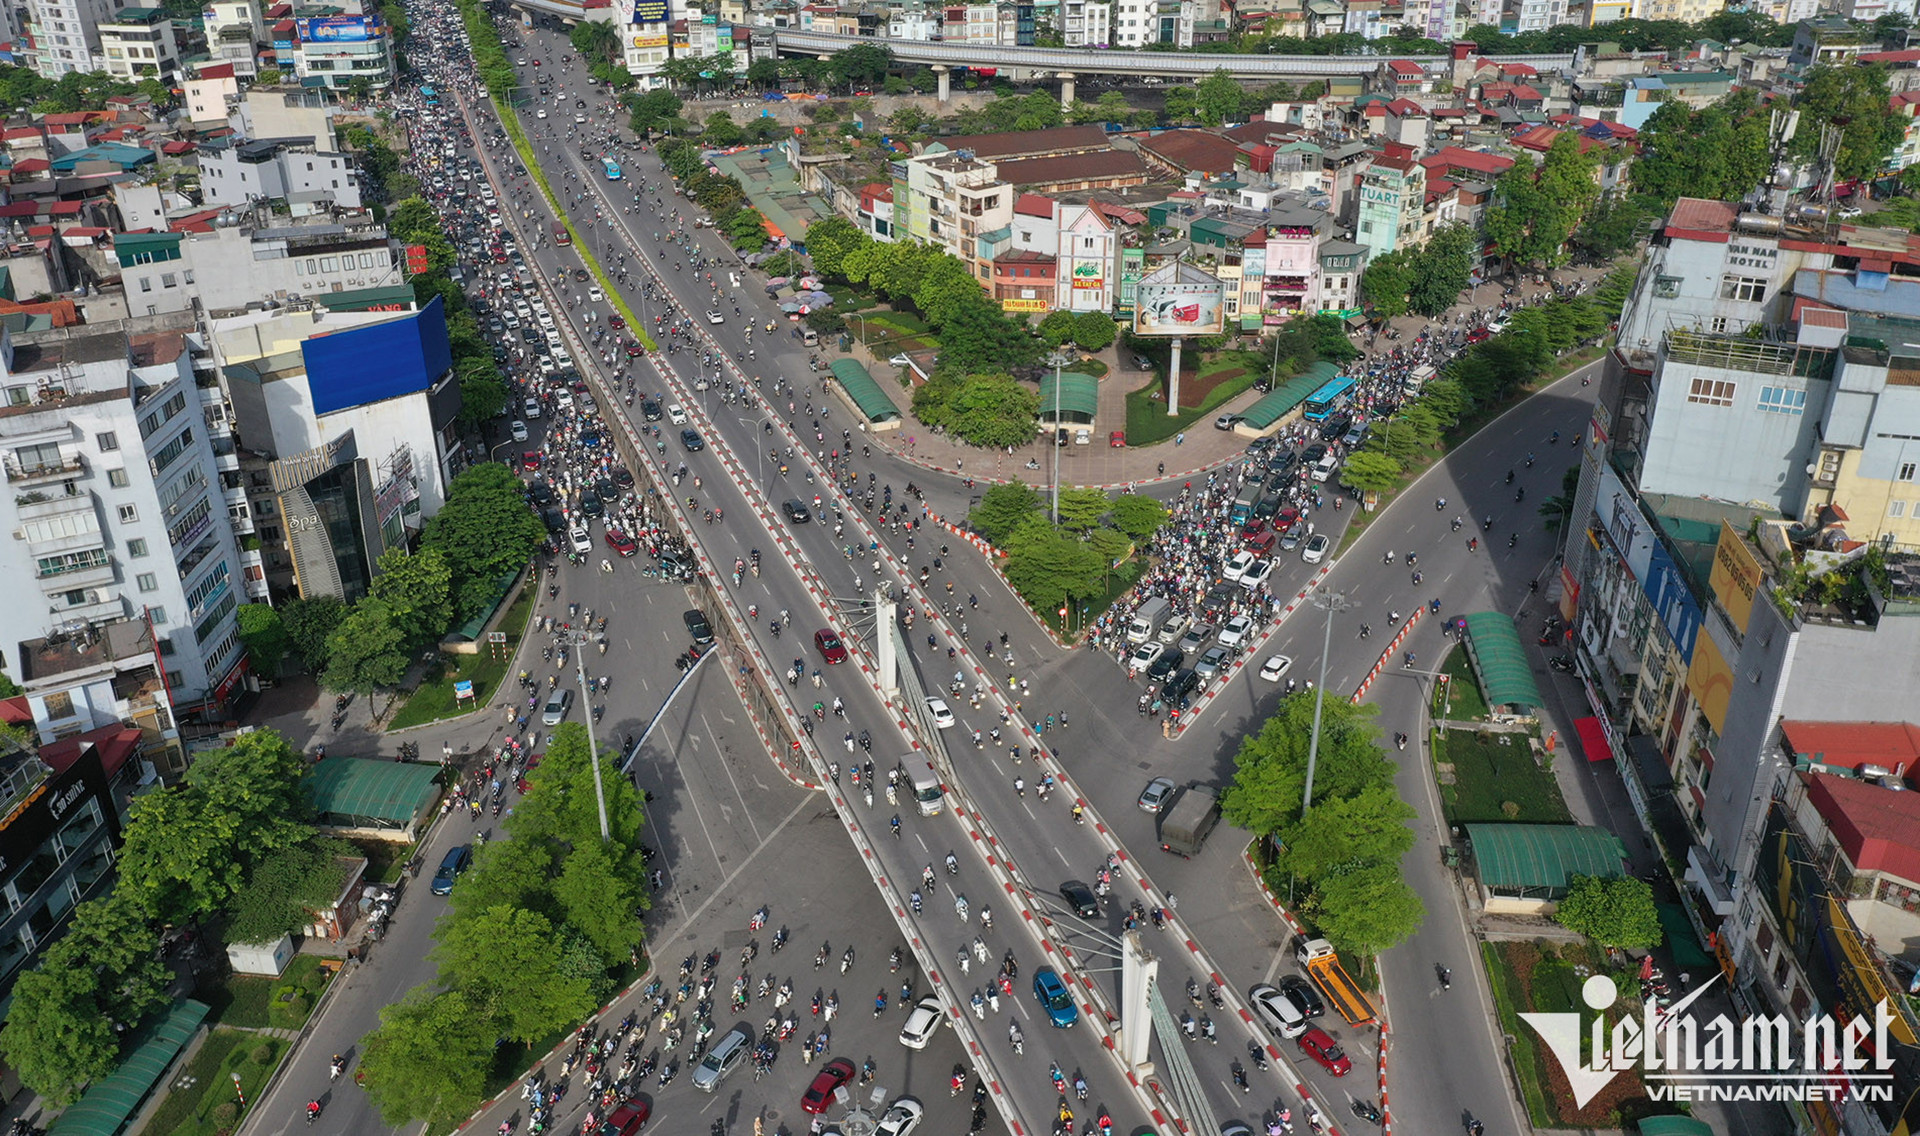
x=1236 y=568
x=1236 y=631
x=714 y=316
x=564 y=399
x=595 y=294
x=582 y=542
x=531 y=407
x=942 y=716
x=1316 y=549
x=676 y=415
x=1276 y=1013
x=519 y=429
x=1274 y=667
x=1257 y=575
x=901 y=1118
x=921 y=1023
x=900 y=360
x=1144 y=655
x=541 y=113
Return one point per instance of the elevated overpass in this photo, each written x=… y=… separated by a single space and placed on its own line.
x=1070 y=63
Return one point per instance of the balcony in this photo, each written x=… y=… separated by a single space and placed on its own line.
x=60 y=580
x=43 y=472
x=39 y=505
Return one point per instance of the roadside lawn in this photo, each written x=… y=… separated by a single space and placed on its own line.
x=1492 y=778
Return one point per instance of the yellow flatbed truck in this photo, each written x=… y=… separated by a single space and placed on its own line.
x=1345 y=995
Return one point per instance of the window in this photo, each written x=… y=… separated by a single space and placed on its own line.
x=129 y=514
x=1906 y=471
x=1896 y=508
x=1718 y=326
x=1783 y=400
x=329 y=264
x=1745 y=289
x=117 y=478
x=146 y=284
x=19 y=396
x=1711 y=392
x=169 y=280
x=187 y=276
x=148 y=582
x=136 y=548
x=106 y=441
x=158 y=615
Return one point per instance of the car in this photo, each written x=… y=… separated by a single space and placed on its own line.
x=722 y=1059
x=606 y=490
x=1316 y=1044
x=531 y=408
x=649 y=410
x=1142 y=363
x=1218 y=599
x=1236 y=631
x=921 y=1023
x=541 y=113
x=1083 y=437
x=901 y=360
x=1316 y=549
x=591 y=504
x=1180 y=684
x=634 y=351
x=1303 y=996
x=1478 y=334
x=554 y=519
x=581 y=542
x=714 y=316
x=557 y=706
x=542 y=494
x=1054 y=999
x=1262 y=543
x=676 y=415
x=819 y=1094
x=941 y=714
x=1237 y=567
x=1225 y=421
x=691 y=439
x=697 y=626
x=901 y=1118
x=1235 y=1128
x=1276 y=1012
x=1196 y=637
x=1168 y=662
x=1259 y=446
x=621 y=543
x=796 y=511
x=1290 y=541
x=1275 y=667
x=829 y=645
x=1154 y=797
x=1080 y=899
x=456 y=861
x=518 y=429
x=628 y=1119
x=1213 y=662
x=1257 y=575
x=1117 y=438
x=1144 y=655
x=1312 y=454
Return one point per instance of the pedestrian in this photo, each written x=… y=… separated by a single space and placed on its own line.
x=1173 y=902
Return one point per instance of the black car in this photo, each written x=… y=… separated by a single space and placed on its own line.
x=796 y=511
x=697 y=627
x=650 y=410
x=1303 y=996
x=1180 y=684
x=1259 y=446
x=553 y=520
x=541 y=493
x=591 y=505
x=1168 y=662
x=1281 y=462
x=607 y=490
x=1080 y=899
x=1312 y=455
x=1335 y=426
x=1219 y=598
x=622 y=478
x=690 y=438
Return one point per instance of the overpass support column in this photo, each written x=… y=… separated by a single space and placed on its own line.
x=1066 y=88
x=944 y=73
x=1173 y=380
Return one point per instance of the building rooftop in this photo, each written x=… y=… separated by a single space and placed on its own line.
x=1895 y=745
x=84 y=647
x=1097 y=165
x=1190 y=151
x=1878 y=828
x=1029 y=143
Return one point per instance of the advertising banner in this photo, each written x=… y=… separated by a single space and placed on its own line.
x=1025 y=306
x=650 y=41
x=1178 y=299
x=650 y=11
x=1132 y=265
x=1735 y=577
x=336 y=29
x=1088 y=276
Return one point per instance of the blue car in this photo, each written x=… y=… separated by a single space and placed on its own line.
x=1054 y=998
x=457 y=860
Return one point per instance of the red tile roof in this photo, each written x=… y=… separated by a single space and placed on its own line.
x=201 y=222
x=1459 y=158
x=20 y=209
x=1406 y=67
x=116 y=743
x=1890 y=57
x=217 y=71
x=1698 y=217
x=1405 y=108
x=32 y=166
x=64 y=209
x=1879 y=829
x=1852 y=744
x=1033 y=205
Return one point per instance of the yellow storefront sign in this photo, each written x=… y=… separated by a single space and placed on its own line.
x=1025 y=306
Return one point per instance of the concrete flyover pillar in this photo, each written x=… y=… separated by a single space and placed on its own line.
x=944 y=73
x=1066 y=88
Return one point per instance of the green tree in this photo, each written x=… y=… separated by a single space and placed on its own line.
x=1371 y=471
x=602 y=898
x=1046 y=566
x=992 y=410
x=265 y=637
x=506 y=961
x=417 y=589
x=429 y=1058
x=1094 y=331
x=282 y=888
x=486 y=532
x=1271 y=767
x=1444 y=267
x=507 y=873
x=596 y=40
x=560 y=804
x=1610 y=227
x=1614 y=913
x=764 y=72
x=1081 y=509
x=1002 y=509
x=309 y=623
x=652 y=110
x=1057 y=328
x=979 y=338
x=828 y=242
x=1218 y=98
x=862 y=65
x=368 y=650
x=1854 y=100
x=1367 y=908
x=1372 y=825
x=1387 y=281
x=1138 y=516
x=721 y=130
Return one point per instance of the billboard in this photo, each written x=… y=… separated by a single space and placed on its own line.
x=650 y=41
x=1735 y=577
x=1018 y=305
x=1178 y=299
x=337 y=29
x=650 y=11
x=1089 y=276
x=374 y=362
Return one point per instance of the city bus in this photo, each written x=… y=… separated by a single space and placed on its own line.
x=613 y=169
x=1331 y=397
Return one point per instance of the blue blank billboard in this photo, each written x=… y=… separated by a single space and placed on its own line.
x=378 y=362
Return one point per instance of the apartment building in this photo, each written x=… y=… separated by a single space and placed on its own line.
x=1086 y=23
x=1393 y=194
x=645 y=35
x=235 y=33
x=254 y=263
x=266 y=169
x=123 y=497
x=62 y=36
x=139 y=43
x=332 y=52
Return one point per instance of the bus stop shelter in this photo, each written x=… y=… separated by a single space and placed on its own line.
x=1069 y=398
x=109 y=1103
x=1272 y=409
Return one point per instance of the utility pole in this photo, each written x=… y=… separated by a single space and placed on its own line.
x=579 y=641
x=1055 y=439
x=1330 y=602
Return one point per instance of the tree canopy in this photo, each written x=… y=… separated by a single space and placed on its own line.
x=486 y=533
x=1615 y=913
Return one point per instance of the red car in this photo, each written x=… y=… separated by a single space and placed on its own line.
x=614 y=319
x=837 y=1072
x=621 y=543
x=1316 y=1044
x=633 y=350
x=831 y=649
x=530 y=460
x=628 y=1119
x=1478 y=334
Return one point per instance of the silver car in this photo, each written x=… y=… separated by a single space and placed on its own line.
x=722 y=1059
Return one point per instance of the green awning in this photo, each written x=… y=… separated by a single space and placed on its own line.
x=1673 y=1126
x=1279 y=402
x=110 y=1102
x=352 y=792
x=1078 y=395
x=1541 y=859
x=382 y=298
x=865 y=391
x=1500 y=663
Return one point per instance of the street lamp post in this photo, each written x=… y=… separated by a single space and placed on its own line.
x=1054 y=438
x=579 y=641
x=1330 y=602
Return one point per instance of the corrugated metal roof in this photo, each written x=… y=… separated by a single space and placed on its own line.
x=111 y=1102
x=1500 y=661
x=1079 y=397
x=1544 y=857
x=865 y=392
x=352 y=791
